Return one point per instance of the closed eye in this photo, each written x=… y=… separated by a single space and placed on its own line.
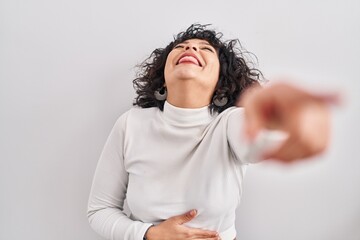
x=208 y=49
x=179 y=46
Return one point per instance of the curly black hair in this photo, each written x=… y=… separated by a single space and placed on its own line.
x=236 y=72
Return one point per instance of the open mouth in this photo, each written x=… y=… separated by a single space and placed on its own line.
x=189 y=59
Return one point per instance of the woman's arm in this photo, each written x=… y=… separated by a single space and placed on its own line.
x=108 y=191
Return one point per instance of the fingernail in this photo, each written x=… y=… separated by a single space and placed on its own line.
x=193 y=212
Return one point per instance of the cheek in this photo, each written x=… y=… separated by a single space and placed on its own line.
x=215 y=73
x=170 y=58
x=168 y=65
x=215 y=69
x=214 y=63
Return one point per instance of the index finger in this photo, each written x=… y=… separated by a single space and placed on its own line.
x=201 y=233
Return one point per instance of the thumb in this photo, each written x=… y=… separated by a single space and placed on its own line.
x=186 y=217
x=253 y=123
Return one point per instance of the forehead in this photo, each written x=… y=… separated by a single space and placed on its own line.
x=196 y=40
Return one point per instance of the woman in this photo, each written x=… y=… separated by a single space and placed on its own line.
x=179 y=157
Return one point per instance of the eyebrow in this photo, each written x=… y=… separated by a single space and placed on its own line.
x=202 y=42
x=206 y=43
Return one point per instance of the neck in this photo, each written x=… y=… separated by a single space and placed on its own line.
x=188 y=97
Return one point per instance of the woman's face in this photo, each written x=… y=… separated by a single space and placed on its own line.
x=193 y=61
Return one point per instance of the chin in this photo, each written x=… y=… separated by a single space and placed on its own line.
x=186 y=73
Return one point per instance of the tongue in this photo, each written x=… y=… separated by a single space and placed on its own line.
x=189 y=59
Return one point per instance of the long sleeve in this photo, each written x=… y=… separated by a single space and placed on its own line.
x=108 y=192
x=245 y=151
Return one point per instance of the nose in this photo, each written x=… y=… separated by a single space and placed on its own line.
x=191 y=46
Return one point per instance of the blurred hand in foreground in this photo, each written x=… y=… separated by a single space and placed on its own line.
x=304 y=116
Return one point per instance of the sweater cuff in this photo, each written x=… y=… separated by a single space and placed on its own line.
x=144 y=238
x=143 y=230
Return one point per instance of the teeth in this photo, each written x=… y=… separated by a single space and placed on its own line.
x=189 y=59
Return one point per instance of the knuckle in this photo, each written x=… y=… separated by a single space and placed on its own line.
x=188 y=233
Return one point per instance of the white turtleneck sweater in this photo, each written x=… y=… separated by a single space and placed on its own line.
x=166 y=163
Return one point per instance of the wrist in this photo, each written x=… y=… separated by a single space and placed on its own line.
x=148 y=233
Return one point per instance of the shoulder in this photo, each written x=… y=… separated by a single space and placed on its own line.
x=232 y=116
x=234 y=110
x=135 y=115
x=231 y=113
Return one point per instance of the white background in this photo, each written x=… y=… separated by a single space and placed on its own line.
x=66 y=70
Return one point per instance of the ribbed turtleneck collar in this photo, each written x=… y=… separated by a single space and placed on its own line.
x=186 y=116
